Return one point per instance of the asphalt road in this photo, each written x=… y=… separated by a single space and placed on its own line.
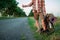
x=15 y=29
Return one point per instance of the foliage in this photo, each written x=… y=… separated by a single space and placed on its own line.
x=31 y=13
x=9 y=7
x=39 y=36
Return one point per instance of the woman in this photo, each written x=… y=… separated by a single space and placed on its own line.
x=38 y=11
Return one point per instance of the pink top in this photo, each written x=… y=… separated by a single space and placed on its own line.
x=40 y=4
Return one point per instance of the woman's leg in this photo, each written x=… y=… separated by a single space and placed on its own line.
x=37 y=26
x=42 y=20
x=36 y=17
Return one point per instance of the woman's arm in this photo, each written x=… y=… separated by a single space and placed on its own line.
x=30 y=4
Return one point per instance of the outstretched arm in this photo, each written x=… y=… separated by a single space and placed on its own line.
x=30 y=4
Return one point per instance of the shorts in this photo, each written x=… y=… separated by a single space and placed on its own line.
x=37 y=15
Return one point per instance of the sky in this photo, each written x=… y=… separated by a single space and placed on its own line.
x=52 y=6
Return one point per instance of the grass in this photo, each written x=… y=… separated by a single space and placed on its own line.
x=23 y=37
x=2 y=18
x=37 y=36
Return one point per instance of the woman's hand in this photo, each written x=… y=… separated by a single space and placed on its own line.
x=24 y=5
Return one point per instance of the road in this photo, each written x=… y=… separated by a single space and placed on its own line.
x=15 y=29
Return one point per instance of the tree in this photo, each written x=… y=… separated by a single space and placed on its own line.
x=7 y=3
x=9 y=7
x=31 y=13
x=19 y=12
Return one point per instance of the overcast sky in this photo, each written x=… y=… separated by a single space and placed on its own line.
x=52 y=6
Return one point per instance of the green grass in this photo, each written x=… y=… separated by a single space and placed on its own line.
x=23 y=37
x=38 y=36
x=2 y=18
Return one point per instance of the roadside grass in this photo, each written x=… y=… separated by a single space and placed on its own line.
x=38 y=36
x=23 y=37
x=2 y=18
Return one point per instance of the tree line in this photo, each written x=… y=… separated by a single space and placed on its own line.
x=9 y=7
